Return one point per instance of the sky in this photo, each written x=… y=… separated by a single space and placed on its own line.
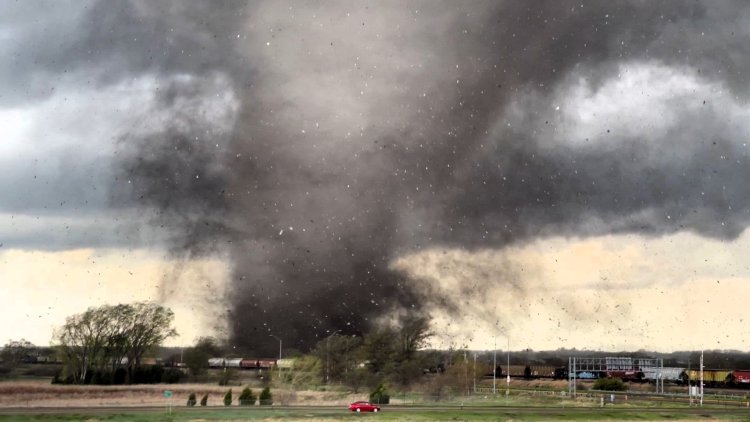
x=548 y=174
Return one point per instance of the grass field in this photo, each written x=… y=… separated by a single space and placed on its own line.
x=41 y=401
x=418 y=415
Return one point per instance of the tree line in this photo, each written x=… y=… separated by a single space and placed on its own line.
x=395 y=355
x=388 y=355
x=106 y=345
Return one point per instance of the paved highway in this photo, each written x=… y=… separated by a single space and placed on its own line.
x=500 y=411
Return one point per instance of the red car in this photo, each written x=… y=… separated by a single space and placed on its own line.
x=363 y=406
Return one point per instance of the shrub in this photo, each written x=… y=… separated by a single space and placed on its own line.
x=101 y=378
x=204 y=400
x=380 y=395
x=61 y=378
x=228 y=398
x=247 y=398
x=147 y=374
x=266 y=398
x=191 y=400
x=610 y=384
x=171 y=376
x=36 y=370
x=120 y=376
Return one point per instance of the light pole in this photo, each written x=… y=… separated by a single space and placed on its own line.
x=475 y=372
x=494 y=367
x=701 y=378
x=507 y=385
x=466 y=373
x=328 y=348
x=278 y=363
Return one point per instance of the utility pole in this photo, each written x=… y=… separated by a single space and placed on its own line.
x=572 y=377
x=494 y=368
x=475 y=372
x=690 y=384
x=278 y=363
x=466 y=374
x=507 y=371
x=701 y=378
x=328 y=348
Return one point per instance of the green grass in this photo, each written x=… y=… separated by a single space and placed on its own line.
x=534 y=406
x=468 y=414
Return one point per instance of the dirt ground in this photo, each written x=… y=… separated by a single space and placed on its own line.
x=44 y=394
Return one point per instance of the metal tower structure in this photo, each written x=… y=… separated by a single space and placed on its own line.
x=590 y=368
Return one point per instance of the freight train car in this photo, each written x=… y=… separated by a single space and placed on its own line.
x=216 y=362
x=232 y=362
x=668 y=374
x=590 y=375
x=560 y=373
x=257 y=363
x=711 y=377
x=224 y=362
x=636 y=376
x=741 y=377
x=529 y=371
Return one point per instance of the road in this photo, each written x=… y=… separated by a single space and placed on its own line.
x=510 y=411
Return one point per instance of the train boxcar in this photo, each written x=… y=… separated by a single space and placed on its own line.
x=542 y=371
x=741 y=377
x=250 y=364
x=533 y=371
x=627 y=375
x=560 y=373
x=590 y=375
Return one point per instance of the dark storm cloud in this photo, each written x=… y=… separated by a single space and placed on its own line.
x=366 y=131
x=34 y=37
